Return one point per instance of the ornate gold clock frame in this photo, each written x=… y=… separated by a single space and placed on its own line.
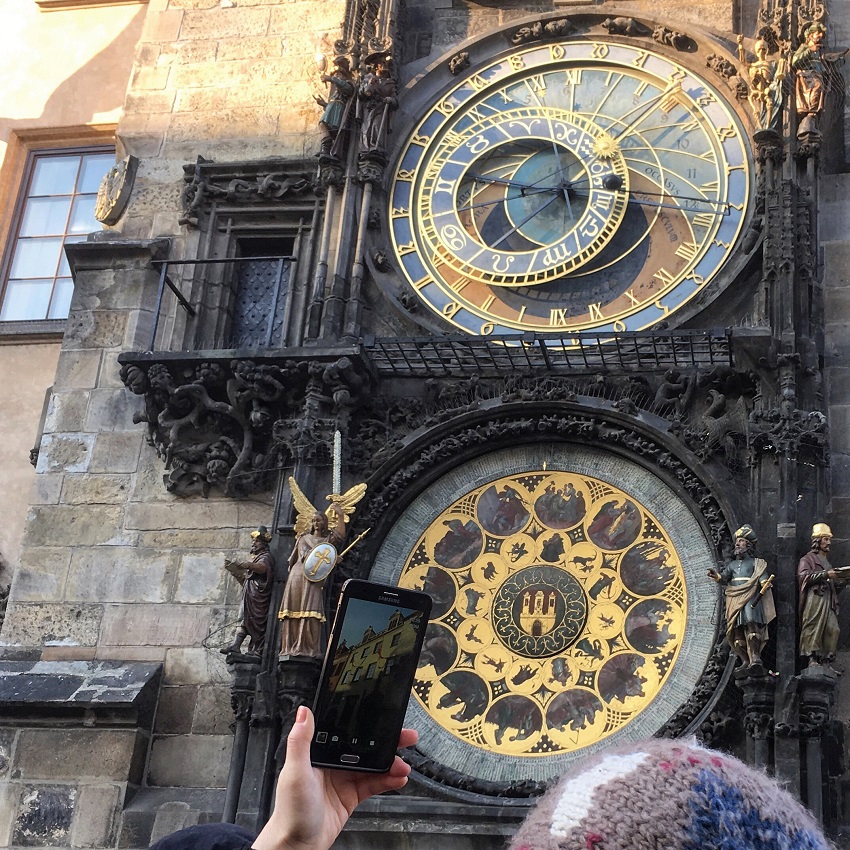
x=578 y=183
x=571 y=607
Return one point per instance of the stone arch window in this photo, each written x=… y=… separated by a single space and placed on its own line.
x=263 y=216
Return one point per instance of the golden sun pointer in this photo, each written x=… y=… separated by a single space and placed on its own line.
x=605 y=146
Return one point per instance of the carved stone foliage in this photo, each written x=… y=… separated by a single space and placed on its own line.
x=265 y=182
x=714 y=727
x=243 y=681
x=506 y=427
x=758 y=690
x=233 y=424
x=798 y=434
x=786 y=430
x=816 y=688
x=707 y=412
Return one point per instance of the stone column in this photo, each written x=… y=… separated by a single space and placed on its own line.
x=816 y=687
x=758 y=688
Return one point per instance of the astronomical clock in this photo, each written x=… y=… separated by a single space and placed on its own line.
x=559 y=185
x=567 y=186
x=570 y=607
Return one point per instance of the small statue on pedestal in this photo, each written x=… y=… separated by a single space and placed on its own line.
x=766 y=79
x=337 y=107
x=749 y=599
x=820 y=584
x=318 y=536
x=814 y=68
x=377 y=99
x=255 y=576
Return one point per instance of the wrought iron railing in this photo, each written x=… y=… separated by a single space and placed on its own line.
x=259 y=325
x=546 y=353
x=261 y=313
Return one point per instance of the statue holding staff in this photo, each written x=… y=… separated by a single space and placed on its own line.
x=377 y=98
x=337 y=107
x=749 y=598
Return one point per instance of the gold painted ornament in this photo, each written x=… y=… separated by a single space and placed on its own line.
x=559 y=612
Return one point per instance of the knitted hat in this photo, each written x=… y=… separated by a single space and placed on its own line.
x=673 y=795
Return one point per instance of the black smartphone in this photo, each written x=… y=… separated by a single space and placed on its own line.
x=367 y=675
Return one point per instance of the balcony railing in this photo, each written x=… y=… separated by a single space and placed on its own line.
x=545 y=353
x=260 y=314
x=260 y=311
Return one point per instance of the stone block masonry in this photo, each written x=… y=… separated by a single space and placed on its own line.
x=74 y=738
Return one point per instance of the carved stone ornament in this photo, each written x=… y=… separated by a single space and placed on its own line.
x=458 y=63
x=207 y=181
x=541 y=29
x=721 y=65
x=708 y=413
x=712 y=727
x=673 y=38
x=816 y=687
x=243 y=680
x=795 y=434
x=115 y=190
x=758 y=689
x=233 y=424
x=625 y=26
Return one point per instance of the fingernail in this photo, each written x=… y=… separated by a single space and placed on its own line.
x=301 y=714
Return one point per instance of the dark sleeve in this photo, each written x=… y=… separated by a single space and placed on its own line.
x=210 y=836
x=819 y=577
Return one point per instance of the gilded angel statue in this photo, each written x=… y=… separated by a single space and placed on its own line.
x=318 y=537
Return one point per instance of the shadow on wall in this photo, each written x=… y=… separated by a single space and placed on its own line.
x=118 y=54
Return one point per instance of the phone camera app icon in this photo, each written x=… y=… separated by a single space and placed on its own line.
x=334 y=739
x=321 y=737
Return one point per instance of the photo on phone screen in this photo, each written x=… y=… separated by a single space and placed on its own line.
x=367 y=675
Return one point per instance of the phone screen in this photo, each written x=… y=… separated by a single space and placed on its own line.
x=367 y=675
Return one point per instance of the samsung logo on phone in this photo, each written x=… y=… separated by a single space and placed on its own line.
x=387 y=598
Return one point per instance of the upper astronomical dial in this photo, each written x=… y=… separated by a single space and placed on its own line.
x=582 y=185
x=522 y=196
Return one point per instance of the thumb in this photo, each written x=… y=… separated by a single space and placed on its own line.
x=298 y=740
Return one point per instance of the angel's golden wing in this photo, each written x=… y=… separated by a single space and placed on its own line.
x=347 y=502
x=304 y=509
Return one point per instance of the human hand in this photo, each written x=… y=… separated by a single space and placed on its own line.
x=312 y=804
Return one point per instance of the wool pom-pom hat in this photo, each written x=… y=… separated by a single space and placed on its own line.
x=668 y=795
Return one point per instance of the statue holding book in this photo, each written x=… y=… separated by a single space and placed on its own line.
x=820 y=583
x=255 y=576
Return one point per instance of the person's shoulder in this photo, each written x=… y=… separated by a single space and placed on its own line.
x=209 y=836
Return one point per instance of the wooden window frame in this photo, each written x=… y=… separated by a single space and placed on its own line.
x=63 y=5
x=15 y=179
